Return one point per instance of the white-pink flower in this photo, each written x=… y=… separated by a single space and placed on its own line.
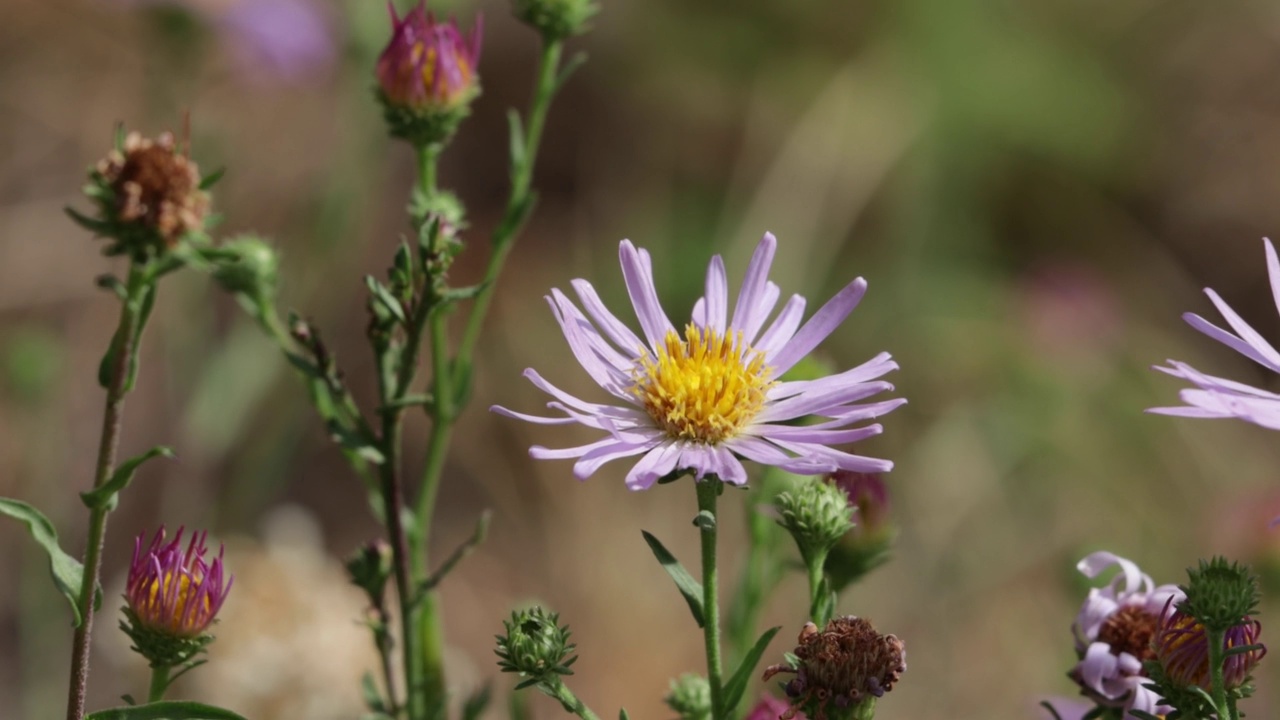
x=705 y=399
x=1113 y=634
x=1215 y=397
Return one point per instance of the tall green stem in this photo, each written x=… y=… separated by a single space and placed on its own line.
x=569 y=701
x=159 y=683
x=123 y=360
x=1216 y=639
x=708 y=491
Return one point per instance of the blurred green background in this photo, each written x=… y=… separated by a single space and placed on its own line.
x=1035 y=192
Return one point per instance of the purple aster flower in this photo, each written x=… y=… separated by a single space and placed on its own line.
x=281 y=38
x=173 y=593
x=1114 y=631
x=700 y=402
x=1182 y=647
x=1214 y=397
x=772 y=708
x=428 y=63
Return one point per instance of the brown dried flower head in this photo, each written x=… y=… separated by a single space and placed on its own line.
x=841 y=668
x=155 y=186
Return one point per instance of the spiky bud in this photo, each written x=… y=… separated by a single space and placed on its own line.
x=555 y=19
x=535 y=646
x=690 y=697
x=817 y=515
x=1220 y=595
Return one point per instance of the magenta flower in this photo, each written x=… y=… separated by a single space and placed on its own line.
x=428 y=64
x=1114 y=631
x=1214 y=397
x=174 y=593
x=772 y=708
x=1182 y=647
x=701 y=402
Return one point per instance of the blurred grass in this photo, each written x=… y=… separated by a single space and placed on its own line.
x=1034 y=192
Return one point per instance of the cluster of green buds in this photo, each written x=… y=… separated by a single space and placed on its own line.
x=150 y=197
x=690 y=697
x=1207 y=647
x=556 y=19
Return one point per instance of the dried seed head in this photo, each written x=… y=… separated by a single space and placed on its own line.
x=152 y=186
x=841 y=668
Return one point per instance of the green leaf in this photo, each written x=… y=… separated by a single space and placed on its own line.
x=622 y=714
x=517 y=138
x=691 y=589
x=68 y=573
x=738 y=681
x=462 y=293
x=372 y=696
x=354 y=443
x=386 y=299
x=167 y=710
x=212 y=178
x=476 y=704
x=105 y=494
x=574 y=63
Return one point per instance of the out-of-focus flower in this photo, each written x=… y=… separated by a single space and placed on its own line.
x=555 y=19
x=285 y=39
x=690 y=697
x=1182 y=649
x=1113 y=634
x=867 y=545
x=772 y=708
x=148 y=196
x=172 y=597
x=700 y=402
x=1215 y=397
x=1071 y=316
x=843 y=667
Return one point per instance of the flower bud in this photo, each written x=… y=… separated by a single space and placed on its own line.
x=817 y=515
x=555 y=19
x=1182 y=649
x=535 y=646
x=427 y=76
x=370 y=568
x=172 y=598
x=690 y=697
x=248 y=267
x=841 y=670
x=867 y=545
x=1220 y=594
x=149 y=197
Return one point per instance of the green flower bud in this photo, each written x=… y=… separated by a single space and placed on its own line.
x=1220 y=595
x=370 y=568
x=535 y=646
x=555 y=19
x=248 y=266
x=690 y=697
x=817 y=515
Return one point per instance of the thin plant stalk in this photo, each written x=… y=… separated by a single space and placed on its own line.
x=159 y=683
x=570 y=702
x=708 y=490
x=124 y=358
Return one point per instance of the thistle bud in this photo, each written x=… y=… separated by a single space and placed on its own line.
x=555 y=19
x=172 y=597
x=690 y=697
x=370 y=568
x=248 y=267
x=817 y=515
x=841 y=671
x=1220 y=594
x=149 y=197
x=867 y=545
x=535 y=646
x=427 y=76
x=1182 y=649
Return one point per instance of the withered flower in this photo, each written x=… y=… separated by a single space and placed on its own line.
x=842 y=669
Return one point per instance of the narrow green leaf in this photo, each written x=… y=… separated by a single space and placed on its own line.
x=738 y=681
x=354 y=443
x=622 y=714
x=569 y=68
x=476 y=704
x=105 y=495
x=98 y=227
x=212 y=178
x=68 y=573
x=372 y=696
x=517 y=138
x=167 y=710
x=691 y=589
x=462 y=293
x=385 y=298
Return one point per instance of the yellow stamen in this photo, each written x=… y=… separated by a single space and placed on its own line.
x=704 y=389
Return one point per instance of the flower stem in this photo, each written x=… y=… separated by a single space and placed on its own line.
x=123 y=359
x=159 y=683
x=571 y=703
x=817 y=599
x=708 y=490
x=1216 y=639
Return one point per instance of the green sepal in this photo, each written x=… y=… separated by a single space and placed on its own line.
x=68 y=573
x=475 y=705
x=737 y=684
x=106 y=495
x=690 y=588
x=704 y=521
x=167 y=710
x=212 y=178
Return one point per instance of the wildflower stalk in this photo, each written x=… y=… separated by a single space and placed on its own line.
x=444 y=410
x=123 y=357
x=159 y=683
x=708 y=490
x=1215 y=639
x=558 y=690
x=819 y=605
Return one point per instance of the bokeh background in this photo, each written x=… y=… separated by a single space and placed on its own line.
x=1035 y=192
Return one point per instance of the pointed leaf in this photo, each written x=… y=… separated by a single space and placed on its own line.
x=212 y=178
x=166 y=710
x=574 y=63
x=385 y=298
x=68 y=573
x=691 y=589
x=622 y=714
x=105 y=494
x=738 y=681
x=477 y=703
x=517 y=138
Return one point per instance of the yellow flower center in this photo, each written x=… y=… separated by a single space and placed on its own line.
x=174 y=618
x=705 y=388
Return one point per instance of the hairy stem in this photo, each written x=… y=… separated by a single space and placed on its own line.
x=1216 y=639
x=159 y=683
x=708 y=490
x=571 y=703
x=123 y=359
